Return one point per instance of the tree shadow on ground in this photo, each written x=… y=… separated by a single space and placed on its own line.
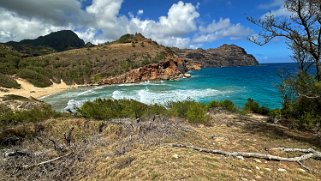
x=275 y=131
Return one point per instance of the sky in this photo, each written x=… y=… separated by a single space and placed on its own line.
x=184 y=24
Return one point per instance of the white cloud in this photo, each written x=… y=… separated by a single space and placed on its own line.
x=273 y=4
x=140 y=12
x=221 y=29
x=14 y=27
x=276 y=9
x=102 y=21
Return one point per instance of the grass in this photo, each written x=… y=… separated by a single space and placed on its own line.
x=148 y=154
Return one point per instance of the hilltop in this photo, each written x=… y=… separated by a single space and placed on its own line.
x=56 y=41
x=225 y=55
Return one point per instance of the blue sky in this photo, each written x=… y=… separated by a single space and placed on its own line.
x=185 y=24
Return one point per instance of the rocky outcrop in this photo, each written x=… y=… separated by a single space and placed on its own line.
x=170 y=69
x=225 y=55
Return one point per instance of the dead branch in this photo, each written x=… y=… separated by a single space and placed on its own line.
x=45 y=162
x=17 y=153
x=309 y=153
x=309 y=97
x=67 y=136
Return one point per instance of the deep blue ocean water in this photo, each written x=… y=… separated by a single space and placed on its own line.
x=233 y=83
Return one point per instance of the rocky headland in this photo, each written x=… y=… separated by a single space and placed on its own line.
x=167 y=70
x=225 y=55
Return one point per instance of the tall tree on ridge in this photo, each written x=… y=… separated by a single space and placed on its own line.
x=301 y=29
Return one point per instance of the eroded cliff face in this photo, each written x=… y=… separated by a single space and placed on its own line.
x=225 y=55
x=168 y=70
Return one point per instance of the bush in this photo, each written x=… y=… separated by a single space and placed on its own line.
x=34 y=78
x=254 y=107
x=304 y=108
x=10 y=97
x=8 y=82
x=226 y=104
x=127 y=38
x=9 y=117
x=105 y=109
x=193 y=111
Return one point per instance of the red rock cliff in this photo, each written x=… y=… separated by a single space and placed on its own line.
x=170 y=69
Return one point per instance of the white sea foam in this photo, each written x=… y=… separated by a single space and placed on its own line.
x=162 y=97
x=72 y=104
x=143 y=83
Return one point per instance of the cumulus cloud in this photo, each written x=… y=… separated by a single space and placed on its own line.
x=140 y=12
x=221 y=29
x=14 y=27
x=276 y=9
x=56 y=12
x=101 y=21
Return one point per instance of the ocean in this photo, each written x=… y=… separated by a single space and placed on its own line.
x=233 y=83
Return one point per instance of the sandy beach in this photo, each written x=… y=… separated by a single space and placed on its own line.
x=29 y=90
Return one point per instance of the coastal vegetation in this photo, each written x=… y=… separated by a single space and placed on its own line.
x=107 y=138
x=80 y=66
x=301 y=93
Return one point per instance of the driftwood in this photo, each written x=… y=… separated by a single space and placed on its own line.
x=307 y=154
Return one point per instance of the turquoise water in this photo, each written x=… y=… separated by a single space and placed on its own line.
x=234 y=83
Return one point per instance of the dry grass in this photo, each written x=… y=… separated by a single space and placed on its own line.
x=131 y=150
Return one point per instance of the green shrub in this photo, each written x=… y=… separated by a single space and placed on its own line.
x=226 y=104
x=127 y=38
x=254 y=107
x=8 y=82
x=34 y=78
x=105 y=109
x=14 y=97
x=304 y=108
x=9 y=117
x=193 y=111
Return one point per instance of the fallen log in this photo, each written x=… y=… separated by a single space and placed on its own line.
x=308 y=154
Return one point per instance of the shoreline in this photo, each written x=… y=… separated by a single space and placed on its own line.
x=28 y=90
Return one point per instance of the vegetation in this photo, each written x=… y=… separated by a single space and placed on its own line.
x=80 y=66
x=106 y=109
x=35 y=78
x=226 y=104
x=301 y=93
x=8 y=82
x=10 y=117
x=193 y=111
x=56 y=41
x=302 y=31
x=254 y=107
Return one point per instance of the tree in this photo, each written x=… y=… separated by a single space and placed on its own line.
x=302 y=31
